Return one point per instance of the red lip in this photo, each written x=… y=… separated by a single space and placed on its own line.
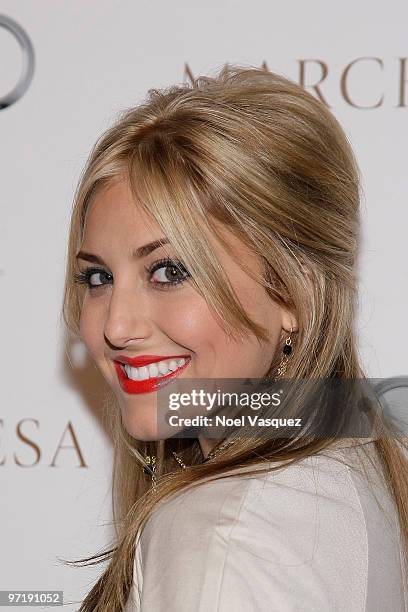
x=150 y=384
x=142 y=360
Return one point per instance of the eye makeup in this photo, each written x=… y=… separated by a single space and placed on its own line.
x=179 y=272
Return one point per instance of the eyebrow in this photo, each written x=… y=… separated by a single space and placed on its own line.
x=142 y=251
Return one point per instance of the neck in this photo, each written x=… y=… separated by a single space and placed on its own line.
x=207 y=444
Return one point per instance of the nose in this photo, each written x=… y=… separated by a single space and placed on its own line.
x=127 y=321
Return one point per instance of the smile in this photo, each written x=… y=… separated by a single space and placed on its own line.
x=150 y=377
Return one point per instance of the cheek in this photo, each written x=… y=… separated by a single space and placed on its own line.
x=192 y=325
x=90 y=328
x=221 y=356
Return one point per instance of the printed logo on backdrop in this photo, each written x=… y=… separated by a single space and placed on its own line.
x=315 y=74
x=21 y=444
x=27 y=71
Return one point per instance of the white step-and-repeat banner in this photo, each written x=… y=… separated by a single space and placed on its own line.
x=67 y=67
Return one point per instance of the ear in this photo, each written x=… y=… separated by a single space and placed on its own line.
x=289 y=321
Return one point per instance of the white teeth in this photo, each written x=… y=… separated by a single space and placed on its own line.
x=173 y=365
x=134 y=373
x=158 y=369
x=131 y=372
x=143 y=373
x=163 y=367
x=153 y=370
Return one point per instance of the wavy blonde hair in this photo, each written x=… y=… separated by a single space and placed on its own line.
x=256 y=152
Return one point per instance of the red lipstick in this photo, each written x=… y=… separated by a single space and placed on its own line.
x=149 y=384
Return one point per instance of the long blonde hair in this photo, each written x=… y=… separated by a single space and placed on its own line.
x=256 y=152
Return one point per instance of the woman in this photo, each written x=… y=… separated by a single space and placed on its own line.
x=214 y=236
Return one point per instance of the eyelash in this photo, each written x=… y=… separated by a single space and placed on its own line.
x=84 y=277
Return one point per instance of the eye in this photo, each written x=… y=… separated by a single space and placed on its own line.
x=92 y=277
x=167 y=273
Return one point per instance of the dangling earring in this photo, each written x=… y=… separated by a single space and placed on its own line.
x=287 y=350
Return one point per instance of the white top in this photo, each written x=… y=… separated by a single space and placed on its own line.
x=307 y=538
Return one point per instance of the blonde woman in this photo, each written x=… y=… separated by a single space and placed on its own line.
x=214 y=235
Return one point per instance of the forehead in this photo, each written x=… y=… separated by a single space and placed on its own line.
x=114 y=211
x=115 y=219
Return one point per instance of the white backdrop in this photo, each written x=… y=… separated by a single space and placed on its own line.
x=93 y=59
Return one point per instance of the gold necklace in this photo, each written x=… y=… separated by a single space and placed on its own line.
x=210 y=455
x=151 y=460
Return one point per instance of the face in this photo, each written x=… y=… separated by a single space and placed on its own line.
x=141 y=306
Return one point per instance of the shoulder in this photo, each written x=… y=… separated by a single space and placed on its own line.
x=333 y=481
x=298 y=533
x=258 y=513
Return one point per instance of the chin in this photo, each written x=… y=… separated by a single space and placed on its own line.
x=142 y=434
x=147 y=432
